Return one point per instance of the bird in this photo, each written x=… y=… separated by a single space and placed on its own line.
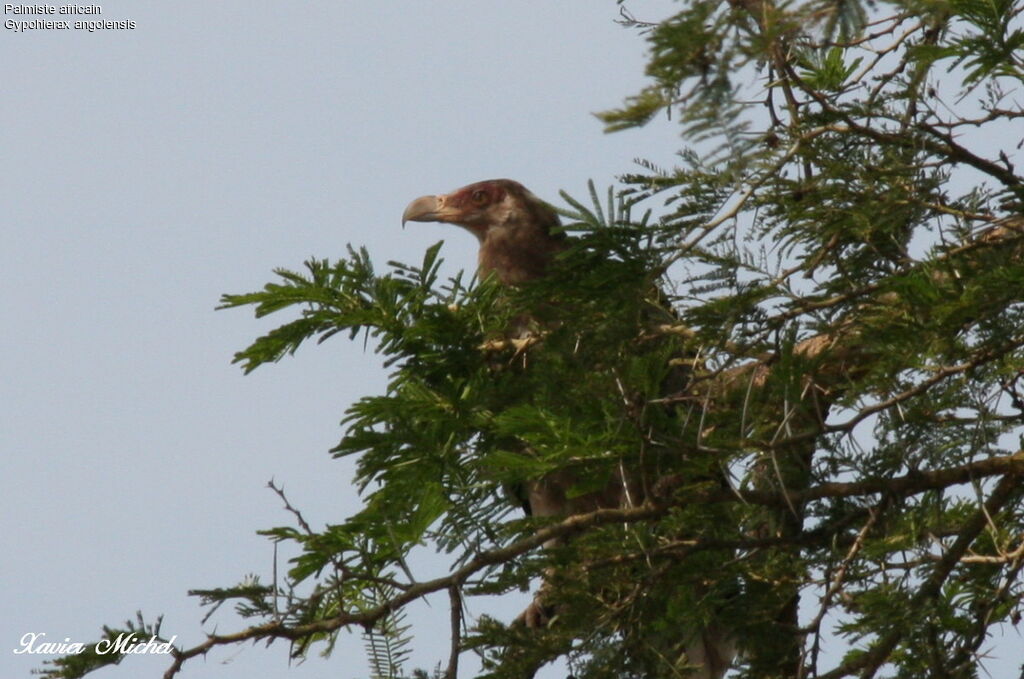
x=520 y=238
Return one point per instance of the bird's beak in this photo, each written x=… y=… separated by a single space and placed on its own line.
x=427 y=209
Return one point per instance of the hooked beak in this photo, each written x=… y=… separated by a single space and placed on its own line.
x=426 y=209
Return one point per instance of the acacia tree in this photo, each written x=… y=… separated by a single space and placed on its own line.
x=821 y=303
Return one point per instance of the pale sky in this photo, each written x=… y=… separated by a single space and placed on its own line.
x=145 y=172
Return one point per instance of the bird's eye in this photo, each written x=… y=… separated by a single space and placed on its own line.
x=479 y=197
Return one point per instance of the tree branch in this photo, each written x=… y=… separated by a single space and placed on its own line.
x=1011 y=466
x=876 y=656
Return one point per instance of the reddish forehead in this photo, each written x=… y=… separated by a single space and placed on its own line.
x=496 y=189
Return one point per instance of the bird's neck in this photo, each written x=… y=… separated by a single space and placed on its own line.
x=517 y=252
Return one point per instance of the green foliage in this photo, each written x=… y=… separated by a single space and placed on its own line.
x=988 y=42
x=387 y=641
x=827 y=70
x=807 y=346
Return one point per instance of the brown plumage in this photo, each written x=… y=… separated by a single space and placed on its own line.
x=517 y=231
x=519 y=239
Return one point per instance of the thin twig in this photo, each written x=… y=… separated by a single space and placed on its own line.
x=455 y=599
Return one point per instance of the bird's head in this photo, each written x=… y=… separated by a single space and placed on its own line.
x=482 y=207
x=517 y=231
